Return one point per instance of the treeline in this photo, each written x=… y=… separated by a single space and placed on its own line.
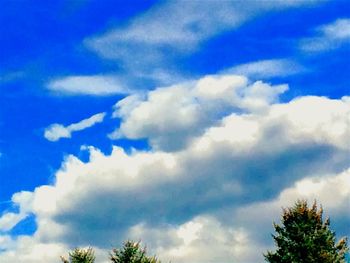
x=132 y=252
x=302 y=237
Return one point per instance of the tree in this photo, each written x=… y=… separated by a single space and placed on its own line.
x=303 y=237
x=131 y=253
x=80 y=255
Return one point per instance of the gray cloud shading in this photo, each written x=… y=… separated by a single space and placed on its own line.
x=254 y=154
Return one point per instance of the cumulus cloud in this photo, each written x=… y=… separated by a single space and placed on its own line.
x=200 y=202
x=170 y=117
x=328 y=37
x=194 y=241
x=331 y=191
x=87 y=85
x=30 y=251
x=7 y=243
x=240 y=234
x=249 y=226
x=57 y=131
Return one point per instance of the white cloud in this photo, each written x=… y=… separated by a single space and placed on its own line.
x=148 y=45
x=57 y=131
x=328 y=37
x=180 y=25
x=240 y=234
x=195 y=204
x=322 y=120
x=6 y=242
x=170 y=117
x=267 y=68
x=330 y=191
x=9 y=220
x=202 y=239
x=88 y=85
x=23 y=201
x=31 y=251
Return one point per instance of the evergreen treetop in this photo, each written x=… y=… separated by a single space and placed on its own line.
x=131 y=252
x=304 y=237
x=80 y=255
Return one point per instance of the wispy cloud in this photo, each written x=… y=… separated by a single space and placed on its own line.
x=57 y=131
x=267 y=68
x=328 y=37
x=87 y=85
x=11 y=76
x=22 y=200
x=152 y=42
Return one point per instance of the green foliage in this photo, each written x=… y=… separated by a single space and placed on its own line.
x=131 y=253
x=79 y=255
x=303 y=237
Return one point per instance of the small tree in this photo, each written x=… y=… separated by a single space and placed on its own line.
x=131 y=253
x=80 y=255
x=304 y=237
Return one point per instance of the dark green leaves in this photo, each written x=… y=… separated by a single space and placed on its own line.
x=304 y=237
x=131 y=253
x=79 y=255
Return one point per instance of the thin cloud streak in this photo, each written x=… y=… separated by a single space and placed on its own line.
x=57 y=131
x=264 y=69
x=99 y=85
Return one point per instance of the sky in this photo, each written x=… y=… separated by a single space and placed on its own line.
x=186 y=124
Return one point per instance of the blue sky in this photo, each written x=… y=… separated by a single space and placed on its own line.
x=168 y=121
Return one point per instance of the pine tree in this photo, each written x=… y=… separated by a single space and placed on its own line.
x=79 y=255
x=304 y=237
x=131 y=253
